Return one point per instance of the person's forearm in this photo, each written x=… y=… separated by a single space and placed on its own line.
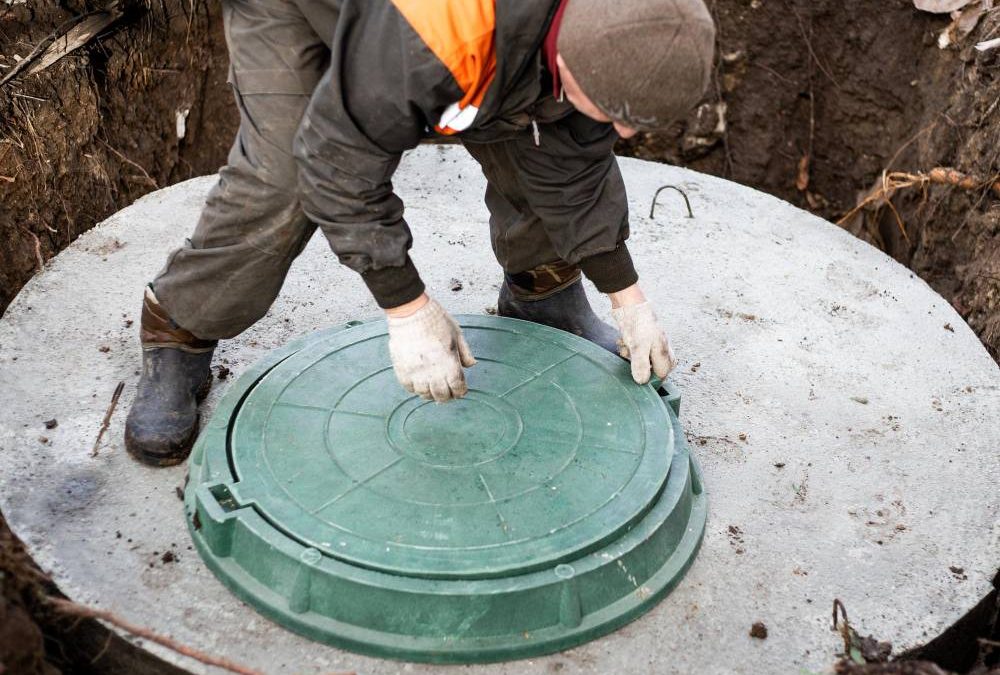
x=408 y=308
x=632 y=295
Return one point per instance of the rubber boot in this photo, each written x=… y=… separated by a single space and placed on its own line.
x=566 y=309
x=176 y=375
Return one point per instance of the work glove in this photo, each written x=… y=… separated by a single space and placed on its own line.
x=428 y=352
x=643 y=342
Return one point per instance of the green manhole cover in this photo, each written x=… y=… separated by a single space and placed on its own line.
x=553 y=503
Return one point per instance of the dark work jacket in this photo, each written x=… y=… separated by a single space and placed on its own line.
x=401 y=71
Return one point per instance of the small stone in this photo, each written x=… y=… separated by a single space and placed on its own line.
x=43 y=439
x=958 y=571
x=860 y=399
x=223 y=372
x=758 y=630
x=51 y=424
x=779 y=465
x=743 y=437
x=128 y=323
x=455 y=285
x=104 y=349
x=492 y=311
x=949 y=327
x=168 y=557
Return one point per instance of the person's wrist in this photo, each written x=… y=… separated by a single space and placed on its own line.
x=631 y=295
x=409 y=308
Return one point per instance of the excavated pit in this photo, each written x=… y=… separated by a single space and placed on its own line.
x=843 y=415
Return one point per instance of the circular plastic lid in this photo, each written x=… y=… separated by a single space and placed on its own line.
x=545 y=459
x=318 y=463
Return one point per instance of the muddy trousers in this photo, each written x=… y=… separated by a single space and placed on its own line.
x=231 y=269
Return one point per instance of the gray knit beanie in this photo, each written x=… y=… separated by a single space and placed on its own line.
x=644 y=63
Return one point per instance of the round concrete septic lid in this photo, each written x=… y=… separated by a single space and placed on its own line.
x=324 y=493
x=783 y=324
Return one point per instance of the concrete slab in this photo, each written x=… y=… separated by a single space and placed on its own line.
x=843 y=413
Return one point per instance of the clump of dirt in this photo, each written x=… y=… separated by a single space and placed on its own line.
x=141 y=106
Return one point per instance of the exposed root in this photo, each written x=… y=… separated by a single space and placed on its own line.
x=150 y=179
x=74 y=609
x=70 y=608
x=883 y=191
x=39 y=260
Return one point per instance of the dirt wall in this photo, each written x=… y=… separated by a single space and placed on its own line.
x=99 y=128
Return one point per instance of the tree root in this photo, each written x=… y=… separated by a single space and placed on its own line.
x=890 y=182
x=70 y=608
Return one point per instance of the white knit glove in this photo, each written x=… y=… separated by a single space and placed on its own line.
x=643 y=342
x=428 y=352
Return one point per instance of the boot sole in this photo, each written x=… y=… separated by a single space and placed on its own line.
x=167 y=460
x=185 y=449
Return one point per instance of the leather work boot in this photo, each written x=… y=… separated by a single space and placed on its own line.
x=176 y=375
x=566 y=308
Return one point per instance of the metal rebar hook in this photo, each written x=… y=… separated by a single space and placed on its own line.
x=687 y=202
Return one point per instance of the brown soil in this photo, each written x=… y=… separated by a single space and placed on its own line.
x=812 y=101
x=98 y=129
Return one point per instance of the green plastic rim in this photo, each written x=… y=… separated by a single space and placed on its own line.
x=553 y=504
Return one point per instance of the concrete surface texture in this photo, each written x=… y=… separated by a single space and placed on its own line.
x=844 y=415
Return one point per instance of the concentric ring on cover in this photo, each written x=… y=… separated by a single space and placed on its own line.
x=553 y=453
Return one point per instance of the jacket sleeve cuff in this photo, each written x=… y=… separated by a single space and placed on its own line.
x=612 y=271
x=394 y=286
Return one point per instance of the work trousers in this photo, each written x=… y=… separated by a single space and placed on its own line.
x=228 y=273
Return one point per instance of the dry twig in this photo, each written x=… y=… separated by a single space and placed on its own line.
x=107 y=417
